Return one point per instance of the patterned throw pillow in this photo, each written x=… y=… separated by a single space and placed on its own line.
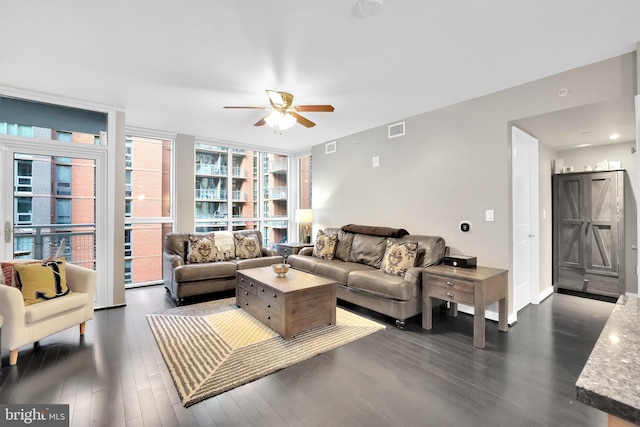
x=247 y=246
x=43 y=281
x=201 y=249
x=325 y=247
x=399 y=257
x=9 y=271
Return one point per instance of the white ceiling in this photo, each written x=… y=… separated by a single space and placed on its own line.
x=172 y=65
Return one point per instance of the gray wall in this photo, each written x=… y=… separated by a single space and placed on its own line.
x=452 y=164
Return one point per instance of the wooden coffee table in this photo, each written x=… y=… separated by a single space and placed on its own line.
x=288 y=305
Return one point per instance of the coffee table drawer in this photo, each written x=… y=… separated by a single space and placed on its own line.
x=247 y=284
x=270 y=294
x=270 y=317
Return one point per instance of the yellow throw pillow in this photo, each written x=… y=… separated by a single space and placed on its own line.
x=42 y=282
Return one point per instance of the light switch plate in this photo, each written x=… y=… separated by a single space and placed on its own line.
x=376 y=161
x=488 y=215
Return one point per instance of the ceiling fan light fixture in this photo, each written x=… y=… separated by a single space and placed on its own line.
x=287 y=121
x=280 y=120
x=273 y=119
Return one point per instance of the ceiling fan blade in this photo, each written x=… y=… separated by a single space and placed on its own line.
x=240 y=106
x=321 y=108
x=304 y=122
x=262 y=121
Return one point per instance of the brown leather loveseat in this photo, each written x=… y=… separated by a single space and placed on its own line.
x=207 y=272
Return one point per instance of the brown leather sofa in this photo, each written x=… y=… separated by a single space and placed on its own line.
x=184 y=280
x=356 y=269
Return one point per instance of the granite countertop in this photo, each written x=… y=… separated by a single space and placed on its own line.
x=610 y=380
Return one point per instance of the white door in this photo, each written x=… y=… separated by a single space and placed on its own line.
x=525 y=218
x=49 y=194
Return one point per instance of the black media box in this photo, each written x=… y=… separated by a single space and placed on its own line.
x=462 y=261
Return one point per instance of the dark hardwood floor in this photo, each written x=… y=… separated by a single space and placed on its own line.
x=115 y=376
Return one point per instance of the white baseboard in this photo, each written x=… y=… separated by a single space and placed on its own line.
x=545 y=294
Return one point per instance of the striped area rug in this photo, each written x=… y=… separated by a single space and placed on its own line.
x=212 y=347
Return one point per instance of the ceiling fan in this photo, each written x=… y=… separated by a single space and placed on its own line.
x=283 y=113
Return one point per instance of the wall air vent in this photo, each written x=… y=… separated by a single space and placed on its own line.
x=396 y=129
x=330 y=147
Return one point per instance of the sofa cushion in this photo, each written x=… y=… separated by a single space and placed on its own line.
x=339 y=270
x=343 y=248
x=367 y=249
x=303 y=262
x=399 y=257
x=205 y=271
x=247 y=247
x=263 y=261
x=225 y=245
x=201 y=249
x=37 y=312
x=43 y=281
x=325 y=246
x=390 y=286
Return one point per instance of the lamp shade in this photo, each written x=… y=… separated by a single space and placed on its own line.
x=304 y=216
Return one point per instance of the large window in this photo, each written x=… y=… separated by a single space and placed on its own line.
x=147 y=207
x=238 y=189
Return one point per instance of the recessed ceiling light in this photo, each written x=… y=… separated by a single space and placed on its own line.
x=563 y=92
x=614 y=136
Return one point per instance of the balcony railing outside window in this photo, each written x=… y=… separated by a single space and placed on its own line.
x=211 y=194
x=276 y=193
x=41 y=241
x=204 y=169
x=277 y=165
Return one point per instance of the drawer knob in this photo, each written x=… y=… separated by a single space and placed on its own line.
x=268 y=305
x=449 y=294
x=449 y=283
x=246 y=303
x=262 y=289
x=275 y=295
x=268 y=317
x=246 y=293
x=242 y=279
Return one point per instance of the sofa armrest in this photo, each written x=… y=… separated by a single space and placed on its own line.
x=172 y=259
x=81 y=279
x=308 y=251
x=13 y=314
x=268 y=252
x=414 y=275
